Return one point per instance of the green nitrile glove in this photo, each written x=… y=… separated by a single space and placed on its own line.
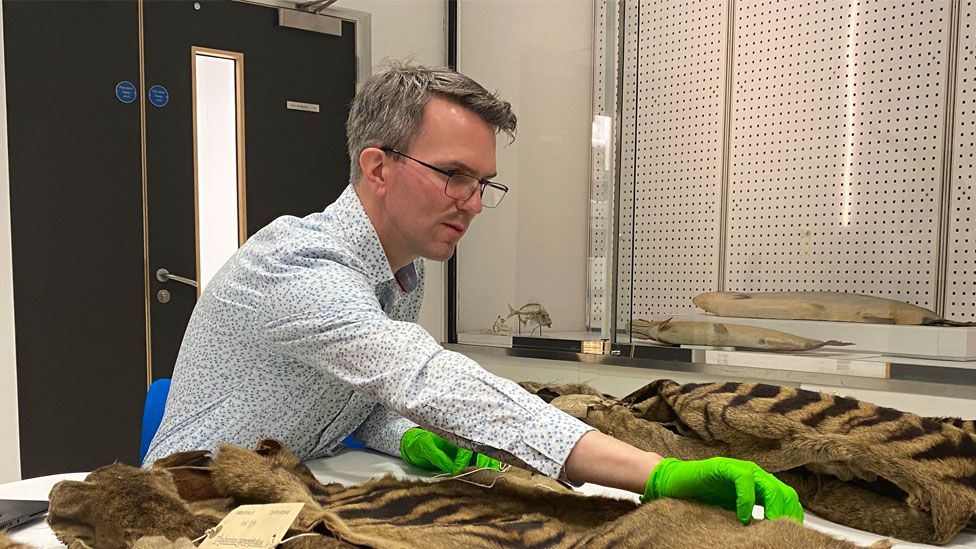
x=428 y=451
x=732 y=484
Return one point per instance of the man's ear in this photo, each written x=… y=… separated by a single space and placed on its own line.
x=372 y=162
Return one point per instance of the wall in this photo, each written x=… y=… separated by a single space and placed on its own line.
x=532 y=248
x=415 y=30
x=9 y=437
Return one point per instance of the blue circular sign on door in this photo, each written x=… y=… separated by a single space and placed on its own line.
x=125 y=91
x=158 y=96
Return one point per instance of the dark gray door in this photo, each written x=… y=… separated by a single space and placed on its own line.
x=296 y=160
x=80 y=286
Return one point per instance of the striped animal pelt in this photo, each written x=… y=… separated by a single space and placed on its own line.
x=873 y=468
x=184 y=495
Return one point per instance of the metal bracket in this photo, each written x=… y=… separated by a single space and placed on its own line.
x=310 y=21
x=314 y=6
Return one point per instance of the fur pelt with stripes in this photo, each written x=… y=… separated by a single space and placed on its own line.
x=873 y=468
x=184 y=495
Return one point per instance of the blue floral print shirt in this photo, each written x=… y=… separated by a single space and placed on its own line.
x=305 y=335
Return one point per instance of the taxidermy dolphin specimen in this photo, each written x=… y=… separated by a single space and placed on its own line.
x=839 y=306
x=724 y=335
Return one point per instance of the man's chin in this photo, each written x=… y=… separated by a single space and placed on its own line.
x=440 y=254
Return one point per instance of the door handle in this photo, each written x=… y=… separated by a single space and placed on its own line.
x=163 y=275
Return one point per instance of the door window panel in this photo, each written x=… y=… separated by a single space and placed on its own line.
x=218 y=117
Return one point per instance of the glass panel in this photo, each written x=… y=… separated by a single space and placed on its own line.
x=524 y=267
x=673 y=105
x=603 y=168
x=816 y=160
x=667 y=150
x=217 y=174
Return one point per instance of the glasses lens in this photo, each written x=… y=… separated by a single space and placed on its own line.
x=491 y=196
x=461 y=187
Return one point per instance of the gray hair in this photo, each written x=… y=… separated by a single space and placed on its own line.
x=388 y=110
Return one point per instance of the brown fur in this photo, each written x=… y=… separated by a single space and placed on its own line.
x=872 y=468
x=160 y=542
x=491 y=510
x=191 y=474
x=7 y=543
x=117 y=504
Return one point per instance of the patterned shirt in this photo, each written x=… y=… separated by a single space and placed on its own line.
x=305 y=335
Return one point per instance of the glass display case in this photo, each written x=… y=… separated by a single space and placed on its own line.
x=811 y=162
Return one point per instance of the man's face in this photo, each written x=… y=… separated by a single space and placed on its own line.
x=429 y=223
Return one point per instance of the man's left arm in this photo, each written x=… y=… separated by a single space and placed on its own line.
x=383 y=430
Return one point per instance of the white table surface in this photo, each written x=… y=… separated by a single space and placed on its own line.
x=355 y=466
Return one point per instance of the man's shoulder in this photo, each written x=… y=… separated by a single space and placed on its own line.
x=329 y=243
x=293 y=249
x=315 y=231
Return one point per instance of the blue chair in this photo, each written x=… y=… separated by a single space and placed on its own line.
x=152 y=414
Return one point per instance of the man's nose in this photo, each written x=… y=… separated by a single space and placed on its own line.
x=473 y=203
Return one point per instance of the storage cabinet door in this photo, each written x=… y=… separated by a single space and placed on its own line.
x=76 y=223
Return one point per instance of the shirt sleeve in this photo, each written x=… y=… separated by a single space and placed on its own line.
x=399 y=365
x=383 y=430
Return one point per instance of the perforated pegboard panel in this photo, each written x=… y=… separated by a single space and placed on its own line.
x=960 y=298
x=601 y=159
x=628 y=114
x=836 y=146
x=678 y=143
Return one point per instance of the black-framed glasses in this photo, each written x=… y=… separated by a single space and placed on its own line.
x=461 y=186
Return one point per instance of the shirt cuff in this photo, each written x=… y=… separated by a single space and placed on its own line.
x=383 y=430
x=553 y=436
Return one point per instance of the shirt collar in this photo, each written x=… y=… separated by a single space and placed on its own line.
x=363 y=239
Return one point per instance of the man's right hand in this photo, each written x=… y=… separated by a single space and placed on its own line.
x=428 y=451
x=732 y=484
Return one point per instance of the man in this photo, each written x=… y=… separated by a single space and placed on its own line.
x=308 y=333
